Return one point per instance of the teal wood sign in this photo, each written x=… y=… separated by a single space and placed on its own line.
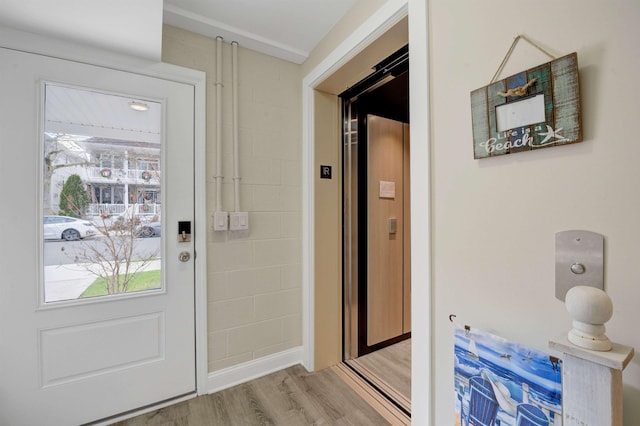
x=536 y=108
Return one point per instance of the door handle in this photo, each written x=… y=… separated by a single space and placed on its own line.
x=184 y=256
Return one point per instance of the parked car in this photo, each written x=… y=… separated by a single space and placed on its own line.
x=67 y=228
x=150 y=229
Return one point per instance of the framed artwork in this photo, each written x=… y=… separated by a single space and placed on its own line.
x=536 y=108
x=499 y=382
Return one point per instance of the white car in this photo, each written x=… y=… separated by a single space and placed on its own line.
x=67 y=228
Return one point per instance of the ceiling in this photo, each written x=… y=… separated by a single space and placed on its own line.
x=124 y=26
x=286 y=29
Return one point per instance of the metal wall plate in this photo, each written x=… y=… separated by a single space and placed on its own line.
x=579 y=261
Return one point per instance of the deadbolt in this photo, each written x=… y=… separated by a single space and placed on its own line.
x=184 y=256
x=184 y=232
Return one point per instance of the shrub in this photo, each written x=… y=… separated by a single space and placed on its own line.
x=73 y=198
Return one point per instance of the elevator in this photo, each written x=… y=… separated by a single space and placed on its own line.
x=376 y=209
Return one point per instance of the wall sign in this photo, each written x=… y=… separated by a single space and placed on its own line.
x=536 y=108
x=325 y=172
x=387 y=189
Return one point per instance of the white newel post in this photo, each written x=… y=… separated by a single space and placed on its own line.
x=592 y=383
x=591 y=364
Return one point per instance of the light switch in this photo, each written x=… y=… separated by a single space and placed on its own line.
x=239 y=221
x=220 y=221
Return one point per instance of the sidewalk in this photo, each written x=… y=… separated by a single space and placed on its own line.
x=68 y=282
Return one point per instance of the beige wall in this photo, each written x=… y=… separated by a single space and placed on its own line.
x=254 y=283
x=494 y=220
x=328 y=235
x=358 y=14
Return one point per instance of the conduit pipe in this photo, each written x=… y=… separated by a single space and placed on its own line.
x=218 y=176
x=236 y=154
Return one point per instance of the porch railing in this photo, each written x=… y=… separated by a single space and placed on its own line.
x=131 y=175
x=105 y=210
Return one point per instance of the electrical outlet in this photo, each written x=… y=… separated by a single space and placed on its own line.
x=220 y=221
x=239 y=221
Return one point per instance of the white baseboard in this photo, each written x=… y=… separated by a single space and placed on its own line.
x=241 y=373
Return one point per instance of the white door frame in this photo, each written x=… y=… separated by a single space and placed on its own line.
x=382 y=20
x=32 y=43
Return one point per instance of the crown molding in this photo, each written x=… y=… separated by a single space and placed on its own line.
x=190 y=21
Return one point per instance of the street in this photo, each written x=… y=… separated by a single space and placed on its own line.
x=65 y=252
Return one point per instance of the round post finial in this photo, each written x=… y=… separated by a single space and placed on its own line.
x=590 y=308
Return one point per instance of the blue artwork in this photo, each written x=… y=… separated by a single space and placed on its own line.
x=501 y=383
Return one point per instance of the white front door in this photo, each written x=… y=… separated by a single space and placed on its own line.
x=69 y=355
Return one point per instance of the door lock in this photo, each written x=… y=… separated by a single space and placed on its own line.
x=184 y=232
x=184 y=256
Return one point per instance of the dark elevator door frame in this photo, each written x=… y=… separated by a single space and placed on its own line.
x=390 y=100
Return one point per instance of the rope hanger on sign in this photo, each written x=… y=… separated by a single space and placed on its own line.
x=510 y=51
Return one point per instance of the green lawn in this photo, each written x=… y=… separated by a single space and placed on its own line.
x=145 y=280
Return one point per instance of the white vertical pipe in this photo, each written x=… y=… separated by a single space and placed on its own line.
x=218 y=176
x=236 y=155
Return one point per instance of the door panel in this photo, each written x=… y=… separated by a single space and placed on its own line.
x=386 y=223
x=76 y=362
x=68 y=354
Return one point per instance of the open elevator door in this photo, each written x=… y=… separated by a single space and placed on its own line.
x=376 y=209
x=388 y=284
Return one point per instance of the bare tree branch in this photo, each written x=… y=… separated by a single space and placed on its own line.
x=113 y=257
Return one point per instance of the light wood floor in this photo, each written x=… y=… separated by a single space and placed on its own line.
x=288 y=397
x=390 y=370
x=334 y=396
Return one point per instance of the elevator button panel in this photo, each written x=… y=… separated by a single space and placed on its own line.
x=393 y=225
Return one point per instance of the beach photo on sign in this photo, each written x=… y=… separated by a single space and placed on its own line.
x=502 y=383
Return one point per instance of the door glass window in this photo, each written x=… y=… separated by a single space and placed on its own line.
x=101 y=194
